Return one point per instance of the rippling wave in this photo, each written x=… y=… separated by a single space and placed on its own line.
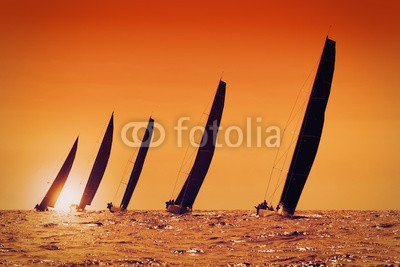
x=204 y=238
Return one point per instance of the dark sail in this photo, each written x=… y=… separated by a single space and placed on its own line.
x=99 y=167
x=310 y=132
x=205 y=152
x=137 y=168
x=54 y=191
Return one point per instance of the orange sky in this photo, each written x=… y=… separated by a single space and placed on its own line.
x=66 y=65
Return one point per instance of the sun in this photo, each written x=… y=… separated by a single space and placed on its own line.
x=69 y=195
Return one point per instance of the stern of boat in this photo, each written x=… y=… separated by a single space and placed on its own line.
x=112 y=208
x=177 y=209
x=265 y=212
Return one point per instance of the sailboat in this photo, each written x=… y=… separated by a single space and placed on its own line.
x=99 y=167
x=309 y=136
x=136 y=171
x=184 y=201
x=54 y=191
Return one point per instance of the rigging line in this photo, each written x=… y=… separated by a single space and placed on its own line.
x=186 y=152
x=189 y=170
x=54 y=171
x=291 y=144
x=47 y=184
x=272 y=170
x=291 y=118
x=279 y=180
x=282 y=157
x=284 y=154
x=288 y=122
x=276 y=188
x=192 y=160
x=329 y=30
x=300 y=111
x=180 y=171
x=201 y=139
x=127 y=164
x=304 y=120
x=120 y=182
x=88 y=165
x=296 y=114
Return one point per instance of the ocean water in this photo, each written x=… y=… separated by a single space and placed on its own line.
x=203 y=238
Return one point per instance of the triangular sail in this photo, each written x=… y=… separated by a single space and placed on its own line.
x=137 y=168
x=205 y=152
x=310 y=132
x=99 y=167
x=54 y=191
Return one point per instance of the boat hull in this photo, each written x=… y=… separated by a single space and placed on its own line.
x=286 y=213
x=266 y=213
x=177 y=209
x=115 y=209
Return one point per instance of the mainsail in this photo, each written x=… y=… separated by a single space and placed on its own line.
x=137 y=168
x=310 y=132
x=99 y=167
x=54 y=191
x=191 y=187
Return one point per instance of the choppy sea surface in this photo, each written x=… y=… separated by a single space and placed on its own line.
x=203 y=238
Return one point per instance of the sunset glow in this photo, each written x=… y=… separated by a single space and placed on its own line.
x=69 y=195
x=65 y=66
